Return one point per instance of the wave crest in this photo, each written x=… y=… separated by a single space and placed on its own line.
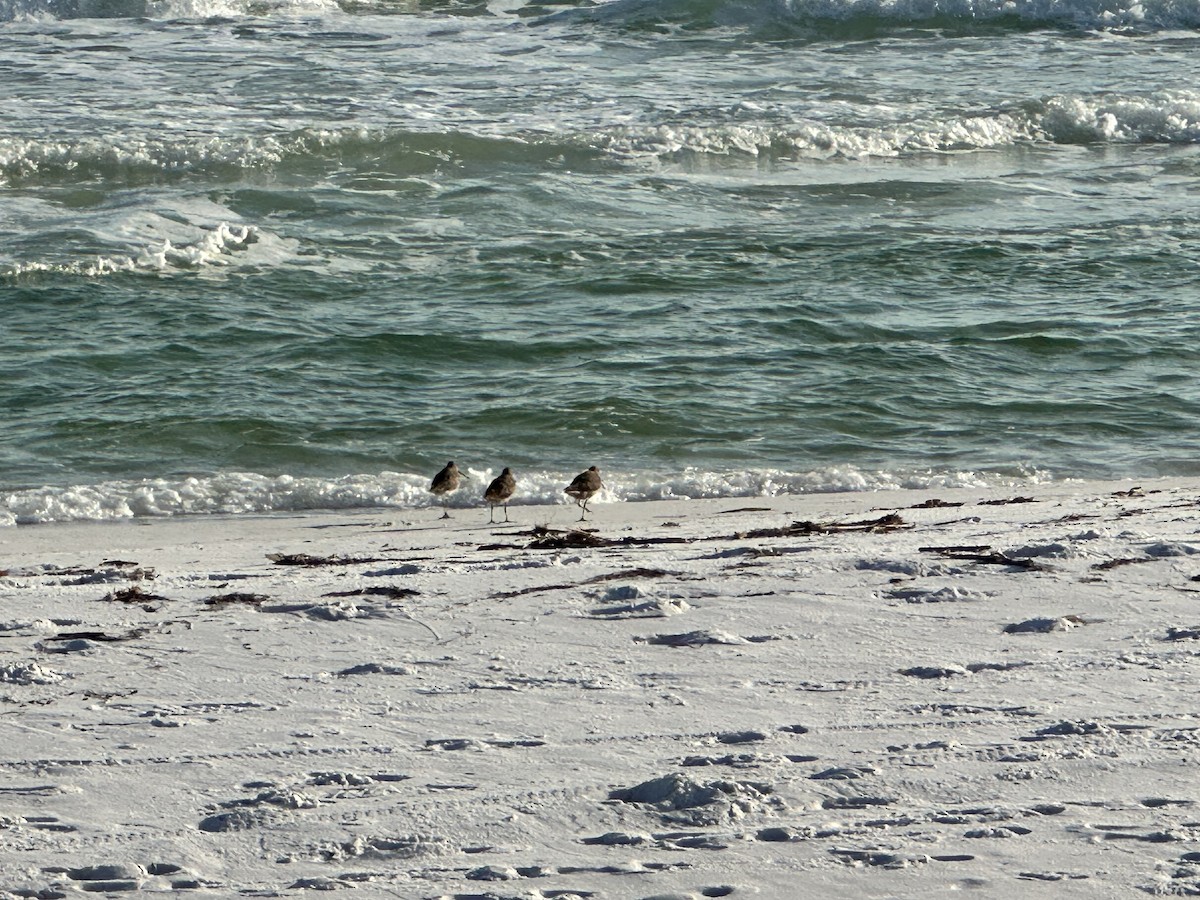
x=168 y=10
x=1164 y=117
x=216 y=247
x=246 y=493
x=859 y=19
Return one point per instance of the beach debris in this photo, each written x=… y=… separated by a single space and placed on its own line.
x=995 y=667
x=101 y=636
x=1132 y=492
x=616 y=839
x=883 y=524
x=631 y=573
x=110 y=575
x=1052 y=550
x=535 y=589
x=934 y=671
x=544 y=538
x=305 y=559
x=493 y=873
x=844 y=773
x=1045 y=625
x=1006 y=501
x=236 y=597
x=1124 y=561
x=382 y=590
x=700 y=638
x=778 y=835
x=935 y=503
x=393 y=571
x=373 y=669
x=983 y=553
x=133 y=594
x=1073 y=517
x=740 y=737
x=552 y=539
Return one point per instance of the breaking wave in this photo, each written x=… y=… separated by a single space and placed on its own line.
x=1164 y=118
x=137 y=161
x=216 y=247
x=242 y=493
x=1159 y=118
x=859 y=19
x=18 y=10
x=807 y=19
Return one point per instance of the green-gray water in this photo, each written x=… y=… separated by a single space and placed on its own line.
x=284 y=256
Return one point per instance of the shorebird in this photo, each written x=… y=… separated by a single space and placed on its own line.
x=499 y=491
x=583 y=487
x=445 y=482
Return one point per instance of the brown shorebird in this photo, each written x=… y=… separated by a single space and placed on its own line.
x=583 y=487
x=445 y=482
x=499 y=491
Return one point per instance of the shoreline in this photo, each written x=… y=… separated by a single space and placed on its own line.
x=251 y=493
x=848 y=694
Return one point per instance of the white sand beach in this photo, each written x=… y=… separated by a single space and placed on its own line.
x=990 y=693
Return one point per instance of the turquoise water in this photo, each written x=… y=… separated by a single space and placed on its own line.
x=276 y=256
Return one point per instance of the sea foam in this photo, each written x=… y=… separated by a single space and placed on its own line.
x=241 y=493
x=1159 y=118
x=846 y=18
x=215 y=246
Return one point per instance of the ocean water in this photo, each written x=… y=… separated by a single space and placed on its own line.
x=287 y=254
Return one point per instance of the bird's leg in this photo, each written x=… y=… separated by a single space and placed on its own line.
x=505 y=512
